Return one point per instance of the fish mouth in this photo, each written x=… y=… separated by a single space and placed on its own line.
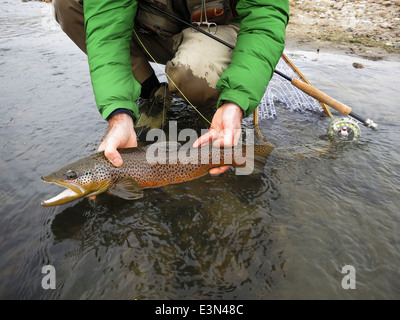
x=71 y=193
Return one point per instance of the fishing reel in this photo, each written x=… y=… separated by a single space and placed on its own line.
x=344 y=129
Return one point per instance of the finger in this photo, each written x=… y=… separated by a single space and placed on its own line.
x=229 y=138
x=113 y=156
x=219 y=170
x=94 y=197
x=111 y=153
x=236 y=136
x=205 y=139
x=225 y=140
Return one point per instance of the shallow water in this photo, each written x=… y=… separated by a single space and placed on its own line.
x=284 y=234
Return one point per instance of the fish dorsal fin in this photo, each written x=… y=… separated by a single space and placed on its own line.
x=127 y=188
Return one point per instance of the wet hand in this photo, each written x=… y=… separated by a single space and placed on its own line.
x=225 y=130
x=120 y=134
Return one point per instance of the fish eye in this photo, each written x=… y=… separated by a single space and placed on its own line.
x=69 y=175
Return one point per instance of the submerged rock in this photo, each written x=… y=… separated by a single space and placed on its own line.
x=358 y=65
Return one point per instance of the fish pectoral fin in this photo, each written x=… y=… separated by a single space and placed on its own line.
x=127 y=188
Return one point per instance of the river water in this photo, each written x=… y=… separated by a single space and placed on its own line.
x=286 y=233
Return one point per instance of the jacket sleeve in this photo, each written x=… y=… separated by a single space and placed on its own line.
x=108 y=28
x=259 y=46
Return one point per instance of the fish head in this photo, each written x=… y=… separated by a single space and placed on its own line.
x=83 y=178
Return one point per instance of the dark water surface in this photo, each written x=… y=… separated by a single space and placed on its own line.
x=285 y=234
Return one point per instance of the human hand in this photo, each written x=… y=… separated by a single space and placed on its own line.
x=120 y=134
x=225 y=130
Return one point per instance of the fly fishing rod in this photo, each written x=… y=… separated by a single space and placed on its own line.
x=301 y=85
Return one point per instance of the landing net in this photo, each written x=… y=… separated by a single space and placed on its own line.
x=281 y=90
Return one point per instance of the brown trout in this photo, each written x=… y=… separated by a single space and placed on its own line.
x=152 y=166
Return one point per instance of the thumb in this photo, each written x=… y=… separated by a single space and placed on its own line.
x=114 y=157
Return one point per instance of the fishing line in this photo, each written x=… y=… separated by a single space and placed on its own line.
x=183 y=95
x=169 y=78
x=176 y=86
x=187 y=100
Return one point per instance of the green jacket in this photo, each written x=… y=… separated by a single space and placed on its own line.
x=260 y=43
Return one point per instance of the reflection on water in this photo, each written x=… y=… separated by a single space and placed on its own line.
x=284 y=233
x=169 y=245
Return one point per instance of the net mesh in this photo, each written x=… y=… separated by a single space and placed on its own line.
x=280 y=89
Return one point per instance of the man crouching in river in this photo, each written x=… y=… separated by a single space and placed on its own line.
x=119 y=37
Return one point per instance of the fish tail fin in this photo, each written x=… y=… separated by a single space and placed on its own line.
x=253 y=159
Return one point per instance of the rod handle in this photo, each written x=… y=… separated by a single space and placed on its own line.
x=322 y=97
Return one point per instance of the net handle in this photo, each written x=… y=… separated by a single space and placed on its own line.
x=367 y=122
x=321 y=96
